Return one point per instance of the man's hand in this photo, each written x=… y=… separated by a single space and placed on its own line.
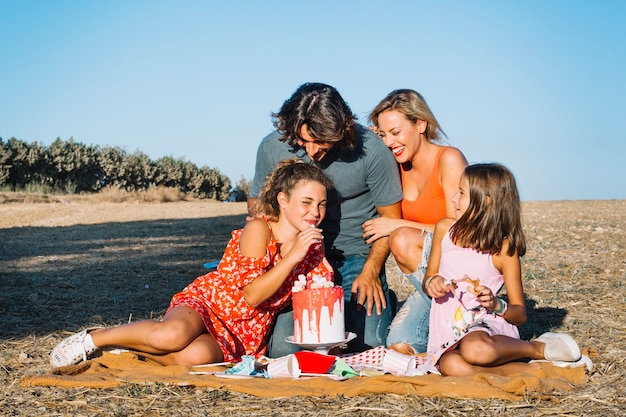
x=367 y=289
x=252 y=213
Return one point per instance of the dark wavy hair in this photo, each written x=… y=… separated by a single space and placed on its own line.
x=494 y=212
x=327 y=116
x=284 y=178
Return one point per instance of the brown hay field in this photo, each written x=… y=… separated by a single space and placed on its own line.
x=70 y=262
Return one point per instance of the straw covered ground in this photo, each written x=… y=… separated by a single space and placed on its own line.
x=70 y=262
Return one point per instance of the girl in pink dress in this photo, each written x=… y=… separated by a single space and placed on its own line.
x=228 y=313
x=472 y=257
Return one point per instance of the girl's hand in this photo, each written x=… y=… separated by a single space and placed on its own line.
x=437 y=286
x=485 y=297
x=376 y=228
x=304 y=240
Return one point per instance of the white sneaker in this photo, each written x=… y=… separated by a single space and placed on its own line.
x=583 y=361
x=74 y=349
x=559 y=347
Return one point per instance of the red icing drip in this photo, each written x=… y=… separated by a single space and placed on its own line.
x=314 y=300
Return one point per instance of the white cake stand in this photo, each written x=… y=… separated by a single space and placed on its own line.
x=321 y=347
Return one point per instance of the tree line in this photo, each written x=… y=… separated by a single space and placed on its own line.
x=72 y=167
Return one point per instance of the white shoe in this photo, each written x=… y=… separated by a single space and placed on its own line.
x=584 y=360
x=74 y=349
x=559 y=347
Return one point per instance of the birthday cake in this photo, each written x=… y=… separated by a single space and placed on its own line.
x=318 y=314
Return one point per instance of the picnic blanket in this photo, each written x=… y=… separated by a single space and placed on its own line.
x=111 y=370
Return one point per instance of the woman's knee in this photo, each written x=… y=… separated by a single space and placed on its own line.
x=405 y=244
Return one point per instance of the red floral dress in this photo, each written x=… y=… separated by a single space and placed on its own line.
x=218 y=298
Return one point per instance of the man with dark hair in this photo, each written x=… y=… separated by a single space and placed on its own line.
x=317 y=126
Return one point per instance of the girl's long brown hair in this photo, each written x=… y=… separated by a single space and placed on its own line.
x=494 y=212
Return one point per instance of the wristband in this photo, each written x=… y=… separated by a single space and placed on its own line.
x=428 y=279
x=504 y=306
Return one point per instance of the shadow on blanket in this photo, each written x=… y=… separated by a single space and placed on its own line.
x=111 y=370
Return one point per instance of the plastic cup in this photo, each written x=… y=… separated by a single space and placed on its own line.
x=284 y=367
x=397 y=363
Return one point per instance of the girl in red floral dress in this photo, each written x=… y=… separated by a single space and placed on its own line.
x=228 y=313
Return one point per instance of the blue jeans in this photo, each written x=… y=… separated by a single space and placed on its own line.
x=371 y=331
x=412 y=321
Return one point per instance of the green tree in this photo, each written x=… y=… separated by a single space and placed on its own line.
x=76 y=166
x=136 y=172
x=209 y=183
x=169 y=172
x=110 y=160
x=29 y=165
x=71 y=166
x=5 y=162
x=242 y=190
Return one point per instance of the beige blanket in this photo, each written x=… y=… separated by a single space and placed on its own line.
x=112 y=370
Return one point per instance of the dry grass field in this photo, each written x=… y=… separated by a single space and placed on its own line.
x=70 y=262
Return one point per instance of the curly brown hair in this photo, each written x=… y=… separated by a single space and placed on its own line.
x=283 y=179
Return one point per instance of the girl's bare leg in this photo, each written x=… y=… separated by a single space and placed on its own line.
x=479 y=352
x=452 y=364
x=180 y=338
x=479 y=348
x=204 y=349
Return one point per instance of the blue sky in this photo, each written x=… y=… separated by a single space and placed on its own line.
x=539 y=86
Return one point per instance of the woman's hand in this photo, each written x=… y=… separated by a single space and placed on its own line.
x=379 y=227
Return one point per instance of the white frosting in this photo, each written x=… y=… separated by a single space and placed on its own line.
x=329 y=327
x=317 y=281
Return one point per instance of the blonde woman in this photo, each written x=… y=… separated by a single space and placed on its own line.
x=430 y=175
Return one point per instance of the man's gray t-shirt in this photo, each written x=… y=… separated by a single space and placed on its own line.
x=364 y=177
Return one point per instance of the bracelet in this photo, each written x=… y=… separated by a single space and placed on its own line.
x=504 y=306
x=428 y=279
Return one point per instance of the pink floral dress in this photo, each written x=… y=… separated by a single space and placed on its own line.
x=218 y=298
x=459 y=313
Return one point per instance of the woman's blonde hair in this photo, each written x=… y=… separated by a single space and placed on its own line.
x=413 y=106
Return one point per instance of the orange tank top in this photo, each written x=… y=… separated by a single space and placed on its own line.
x=430 y=205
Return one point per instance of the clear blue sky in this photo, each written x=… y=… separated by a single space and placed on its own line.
x=539 y=86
